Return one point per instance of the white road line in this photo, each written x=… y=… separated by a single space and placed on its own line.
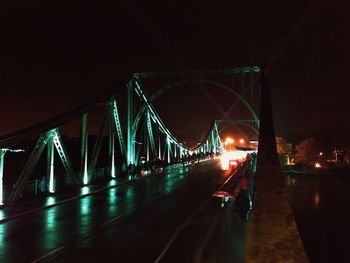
x=117 y=218
x=178 y=231
x=47 y=255
x=199 y=254
x=188 y=220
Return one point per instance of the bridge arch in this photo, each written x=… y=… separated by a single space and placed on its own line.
x=243 y=124
x=196 y=81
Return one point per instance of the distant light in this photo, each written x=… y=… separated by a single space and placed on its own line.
x=241 y=141
x=234 y=163
x=321 y=153
x=229 y=140
x=229 y=156
x=318 y=165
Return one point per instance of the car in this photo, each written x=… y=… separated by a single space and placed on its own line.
x=233 y=163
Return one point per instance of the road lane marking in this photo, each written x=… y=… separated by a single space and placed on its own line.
x=127 y=213
x=47 y=255
x=131 y=211
x=188 y=220
x=199 y=254
x=179 y=230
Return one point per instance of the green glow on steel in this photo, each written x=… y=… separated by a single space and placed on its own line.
x=51 y=155
x=112 y=182
x=85 y=173
x=130 y=121
x=50 y=200
x=2 y=156
x=2 y=216
x=85 y=150
x=118 y=127
x=159 y=150
x=85 y=190
x=168 y=148
x=113 y=158
x=84 y=146
x=147 y=148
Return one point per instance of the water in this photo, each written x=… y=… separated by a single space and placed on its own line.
x=321 y=206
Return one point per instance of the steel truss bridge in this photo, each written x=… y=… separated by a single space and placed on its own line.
x=145 y=133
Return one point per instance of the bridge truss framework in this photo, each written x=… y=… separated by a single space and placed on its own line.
x=157 y=141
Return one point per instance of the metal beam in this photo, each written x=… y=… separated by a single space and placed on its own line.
x=62 y=153
x=84 y=150
x=28 y=168
x=195 y=74
x=130 y=122
x=150 y=133
x=118 y=127
x=51 y=164
x=111 y=149
x=2 y=157
x=97 y=147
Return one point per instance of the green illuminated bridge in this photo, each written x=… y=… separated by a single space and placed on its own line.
x=124 y=145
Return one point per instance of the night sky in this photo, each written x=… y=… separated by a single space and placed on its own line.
x=56 y=55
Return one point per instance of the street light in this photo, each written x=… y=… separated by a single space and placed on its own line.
x=229 y=141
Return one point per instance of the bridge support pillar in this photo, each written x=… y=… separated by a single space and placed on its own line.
x=51 y=164
x=112 y=150
x=84 y=150
x=272 y=235
x=2 y=157
x=168 y=149
x=159 y=149
x=130 y=122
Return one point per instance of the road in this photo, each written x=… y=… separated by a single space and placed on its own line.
x=168 y=218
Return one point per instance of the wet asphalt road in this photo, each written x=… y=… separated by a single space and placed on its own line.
x=168 y=218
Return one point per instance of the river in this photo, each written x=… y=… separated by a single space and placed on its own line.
x=321 y=207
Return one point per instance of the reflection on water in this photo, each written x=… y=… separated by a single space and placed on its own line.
x=321 y=207
x=316 y=200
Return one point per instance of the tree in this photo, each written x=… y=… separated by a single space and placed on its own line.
x=284 y=151
x=307 y=151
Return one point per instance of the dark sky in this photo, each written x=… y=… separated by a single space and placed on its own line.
x=55 y=55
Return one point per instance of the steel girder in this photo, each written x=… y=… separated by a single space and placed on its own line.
x=150 y=133
x=84 y=150
x=98 y=144
x=62 y=153
x=118 y=127
x=52 y=139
